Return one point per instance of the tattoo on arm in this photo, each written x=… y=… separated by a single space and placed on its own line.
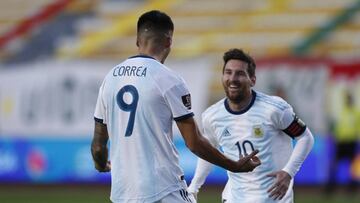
x=99 y=148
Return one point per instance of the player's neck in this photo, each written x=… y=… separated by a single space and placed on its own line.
x=159 y=56
x=241 y=104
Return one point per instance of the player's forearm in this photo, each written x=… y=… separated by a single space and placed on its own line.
x=200 y=146
x=302 y=148
x=206 y=151
x=100 y=155
x=99 y=148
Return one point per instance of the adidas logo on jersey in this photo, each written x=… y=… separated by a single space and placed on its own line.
x=226 y=133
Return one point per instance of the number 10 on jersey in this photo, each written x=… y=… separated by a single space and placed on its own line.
x=243 y=146
x=131 y=107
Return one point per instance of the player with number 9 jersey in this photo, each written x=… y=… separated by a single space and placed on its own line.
x=144 y=87
x=137 y=103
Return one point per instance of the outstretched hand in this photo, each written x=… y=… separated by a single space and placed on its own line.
x=248 y=163
x=281 y=185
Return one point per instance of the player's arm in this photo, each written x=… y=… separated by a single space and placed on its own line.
x=99 y=148
x=202 y=148
x=305 y=141
x=301 y=150
x=203 y=169
x=179 y=101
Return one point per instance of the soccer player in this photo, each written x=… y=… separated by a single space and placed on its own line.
x=137 y=103
x=246 y=120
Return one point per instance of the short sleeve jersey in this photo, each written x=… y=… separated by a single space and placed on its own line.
x=259 y=126
x=138 y=101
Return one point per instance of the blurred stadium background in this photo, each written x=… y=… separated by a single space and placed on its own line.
x=55 y=53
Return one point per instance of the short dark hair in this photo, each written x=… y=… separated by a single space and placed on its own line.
x=239 y=54
x=155 y=21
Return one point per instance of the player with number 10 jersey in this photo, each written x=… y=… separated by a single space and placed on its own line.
x=256 y=127
x=248 y=120
x=137 y=101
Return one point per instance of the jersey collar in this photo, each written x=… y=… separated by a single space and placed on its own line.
x=142 y=56
x=227 y=107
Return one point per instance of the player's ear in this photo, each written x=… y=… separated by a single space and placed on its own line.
x=168 y=39
x=137 y=42
x=168 y=42
x=253 y=81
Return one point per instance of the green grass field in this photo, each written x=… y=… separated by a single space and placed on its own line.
x=100 y=193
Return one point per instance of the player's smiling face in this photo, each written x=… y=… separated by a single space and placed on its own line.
x=237 y=81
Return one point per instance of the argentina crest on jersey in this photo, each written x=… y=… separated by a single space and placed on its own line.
x=258 y=130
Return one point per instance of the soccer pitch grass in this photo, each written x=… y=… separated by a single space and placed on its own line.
x=100 y=194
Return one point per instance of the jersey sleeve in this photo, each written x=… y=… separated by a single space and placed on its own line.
x=100 y=108
x=179 y=100
x=290 y=123
x=301 y=150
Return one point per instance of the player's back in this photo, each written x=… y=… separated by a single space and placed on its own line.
x=139 y=121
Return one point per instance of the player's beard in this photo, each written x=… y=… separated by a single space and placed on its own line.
x=235 y=96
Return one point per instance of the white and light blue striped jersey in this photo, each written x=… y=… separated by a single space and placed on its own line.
x=138 y=101
x=259 y=126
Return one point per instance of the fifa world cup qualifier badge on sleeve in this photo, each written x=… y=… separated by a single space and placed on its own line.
x=186 y=99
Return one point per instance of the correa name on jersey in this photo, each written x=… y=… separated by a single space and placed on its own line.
x=137 y=71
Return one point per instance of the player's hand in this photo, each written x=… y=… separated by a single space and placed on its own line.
x=248 y=163
x=281 y=185
x=107 y=167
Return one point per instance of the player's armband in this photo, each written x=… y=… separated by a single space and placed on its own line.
x=296 y=127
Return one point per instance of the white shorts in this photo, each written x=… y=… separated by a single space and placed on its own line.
x=180 y=196
x=226 y=194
